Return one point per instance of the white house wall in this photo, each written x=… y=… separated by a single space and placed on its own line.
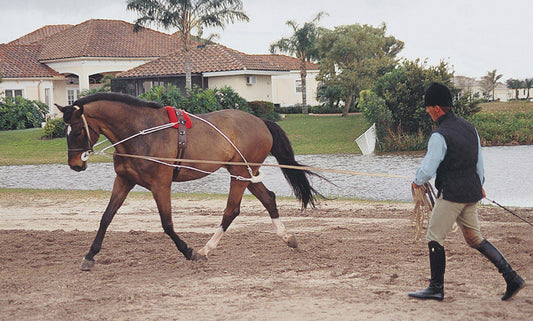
x=32 y=88
x=260 y=90
x=284 y=89
x=279 y=88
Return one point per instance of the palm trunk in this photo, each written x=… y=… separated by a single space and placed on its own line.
x=187 y=48
x=303 y=76
x=188 y=77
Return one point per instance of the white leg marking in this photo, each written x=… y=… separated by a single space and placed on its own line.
x=213 y=242
x=280 y=230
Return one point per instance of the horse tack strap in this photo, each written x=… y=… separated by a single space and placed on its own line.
x=183 y=122
x=173 y=115
x=182 y=130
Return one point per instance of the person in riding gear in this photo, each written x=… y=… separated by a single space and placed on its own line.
x=454 y=156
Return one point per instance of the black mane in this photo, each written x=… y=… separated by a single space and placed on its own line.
x=127 y=99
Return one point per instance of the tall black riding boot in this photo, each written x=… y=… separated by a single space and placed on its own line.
x=514 y=281
x=437 y=261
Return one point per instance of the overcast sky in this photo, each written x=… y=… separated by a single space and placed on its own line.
x=474 y=36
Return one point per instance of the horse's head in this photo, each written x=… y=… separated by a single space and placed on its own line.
x=80 y=136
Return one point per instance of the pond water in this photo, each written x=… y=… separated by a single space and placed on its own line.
x=509 y=177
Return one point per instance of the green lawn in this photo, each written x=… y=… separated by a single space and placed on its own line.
x=308 y=134
x=324 y=134
x=25 y=147
x=514 y=106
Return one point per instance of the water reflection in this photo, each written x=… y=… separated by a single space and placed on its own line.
x=509 y=179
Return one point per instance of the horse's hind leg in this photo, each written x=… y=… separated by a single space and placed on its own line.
x=268 y=199
x=121 y=188
x=233 y=208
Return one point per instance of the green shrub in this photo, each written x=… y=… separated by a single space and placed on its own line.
x=398 y=140
x=201 y=101
x=168 y=96
x=230 y=99
x=504 y=128
x=375 y=111
x=264 y=109
x=198 y=101
x=21 y=113
x=54 y=128
x=319 y=109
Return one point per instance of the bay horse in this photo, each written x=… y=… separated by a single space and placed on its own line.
x=248 y=139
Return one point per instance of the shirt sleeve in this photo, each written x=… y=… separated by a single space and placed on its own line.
x=480 y=169
x=434 y=156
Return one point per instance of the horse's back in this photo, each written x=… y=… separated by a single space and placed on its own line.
x=211 y=134
x=238 y=124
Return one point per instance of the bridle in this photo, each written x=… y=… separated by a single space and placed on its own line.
x=86 y=151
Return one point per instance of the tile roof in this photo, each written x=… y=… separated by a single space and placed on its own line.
x=39 y=34
x=213 y=58
x=107 y=38
x=20 y=61
x=287 y=62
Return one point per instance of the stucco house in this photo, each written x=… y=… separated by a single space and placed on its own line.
x=274 y=78
x=55 y=63
x=74 y=58
x=501 y=92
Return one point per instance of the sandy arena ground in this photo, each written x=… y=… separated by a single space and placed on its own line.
x=355 y=261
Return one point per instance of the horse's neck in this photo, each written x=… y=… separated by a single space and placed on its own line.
x=117 y=121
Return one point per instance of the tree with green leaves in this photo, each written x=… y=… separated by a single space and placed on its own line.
x=354 y=56
x=187 y=16
x=515 y=84
x=528 y=83
x=302 y=44
x=403 y=91
x=490 y=80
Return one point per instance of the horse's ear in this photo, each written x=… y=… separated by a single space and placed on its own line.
x=59 y=107
x=78 y=109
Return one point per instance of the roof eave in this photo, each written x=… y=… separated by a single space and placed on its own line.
x=244 y=72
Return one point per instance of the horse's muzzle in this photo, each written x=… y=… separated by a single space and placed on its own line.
x=78 y=168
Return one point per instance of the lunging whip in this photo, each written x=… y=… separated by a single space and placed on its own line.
x=508 y=210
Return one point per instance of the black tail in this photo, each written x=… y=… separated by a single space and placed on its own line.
x=282 y=150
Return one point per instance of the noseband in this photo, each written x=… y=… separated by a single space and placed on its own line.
x=89 y=150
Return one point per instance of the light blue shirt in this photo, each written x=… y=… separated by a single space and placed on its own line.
x=435 y=154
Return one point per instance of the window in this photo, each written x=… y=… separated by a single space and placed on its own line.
x=10 y=93
x=72 y=95
x=298 y=83
x=250 y=80
x=47 y=100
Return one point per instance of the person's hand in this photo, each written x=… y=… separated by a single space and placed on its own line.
x=414 y=186
x=483 y=192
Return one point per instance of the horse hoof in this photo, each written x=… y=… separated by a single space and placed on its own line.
x=86 y=265
x=291 y=242
x=196 y=256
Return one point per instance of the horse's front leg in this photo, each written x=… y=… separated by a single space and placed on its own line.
x=121 y=188
x=162 y=199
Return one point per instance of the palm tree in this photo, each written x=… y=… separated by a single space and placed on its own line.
x=491 y=80
x=186 y=16
x=528 y=83
x=302 y=44
x=514 y=84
